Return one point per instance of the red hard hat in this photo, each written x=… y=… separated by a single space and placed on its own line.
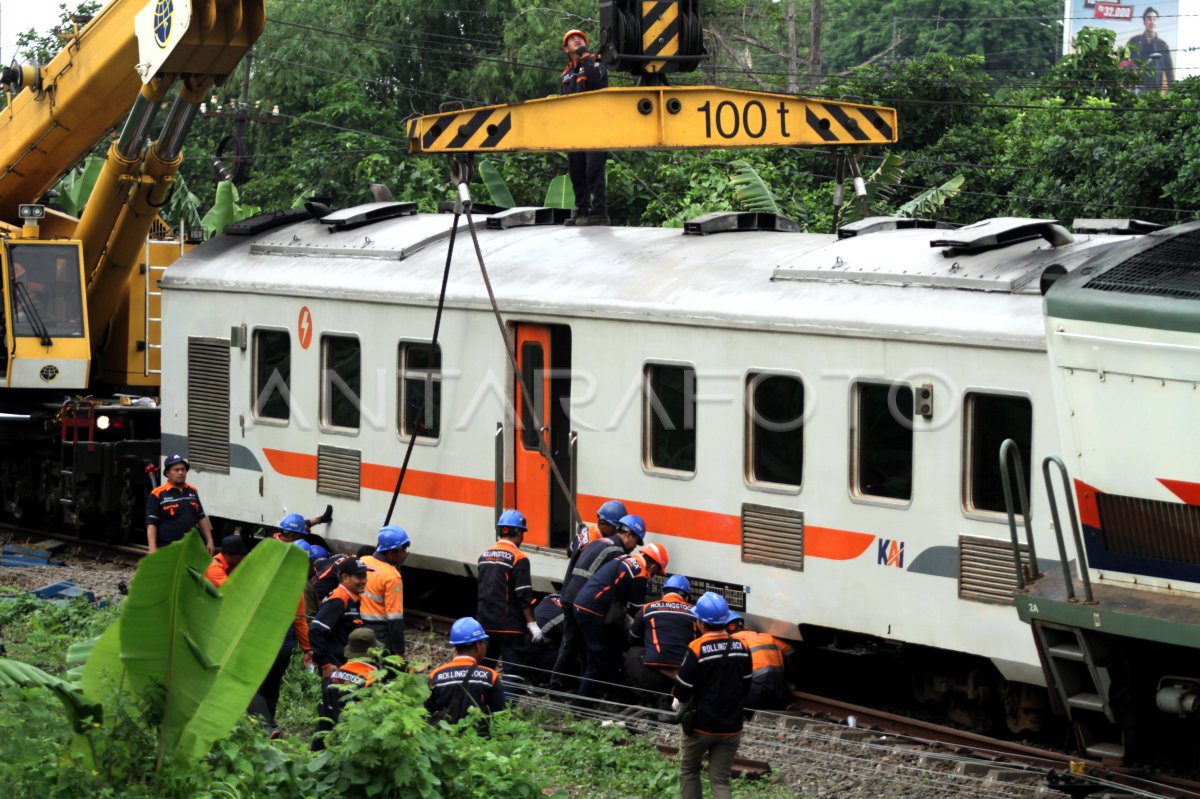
x=571 y=33
x=656 y=553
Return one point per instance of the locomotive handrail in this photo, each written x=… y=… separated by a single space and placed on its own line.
x=499 y=442
x=1062 y=547
x=1007 y=448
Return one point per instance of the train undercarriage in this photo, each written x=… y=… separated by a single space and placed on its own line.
x=82 y=466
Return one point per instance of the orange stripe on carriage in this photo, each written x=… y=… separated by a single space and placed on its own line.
x=697 y=525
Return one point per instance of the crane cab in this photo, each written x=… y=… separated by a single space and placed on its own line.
x=43 y=315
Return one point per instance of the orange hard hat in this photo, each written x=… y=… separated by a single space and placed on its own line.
x=656 y=553
x=571 y=33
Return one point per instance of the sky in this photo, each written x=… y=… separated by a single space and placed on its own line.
x=18 y=16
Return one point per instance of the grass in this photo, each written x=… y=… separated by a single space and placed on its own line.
x=567 y=759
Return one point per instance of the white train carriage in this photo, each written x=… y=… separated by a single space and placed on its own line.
x=809 y=423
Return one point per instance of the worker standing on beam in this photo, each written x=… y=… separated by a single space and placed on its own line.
x=585 y=72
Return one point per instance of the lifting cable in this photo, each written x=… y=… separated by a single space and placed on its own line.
x=460 y=175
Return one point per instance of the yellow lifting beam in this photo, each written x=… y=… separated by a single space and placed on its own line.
x=653 y=118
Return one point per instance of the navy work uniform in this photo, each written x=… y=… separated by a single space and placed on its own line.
x=173 y=511
x=664 y=629
x=579 y=570
x=549 y=615
x=505 y=593
x=616 y=585
x=330 y=630
x=463 y=683
x=585 y=72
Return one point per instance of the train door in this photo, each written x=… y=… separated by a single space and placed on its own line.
x=544 y=355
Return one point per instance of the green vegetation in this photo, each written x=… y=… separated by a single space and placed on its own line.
x=384 y=746
x=992 y=121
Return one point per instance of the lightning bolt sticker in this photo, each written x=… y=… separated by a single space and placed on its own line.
x=304 y=326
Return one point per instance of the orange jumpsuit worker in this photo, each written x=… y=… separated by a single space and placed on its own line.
x=382 y=607
x=233 y=549
x=770 y=658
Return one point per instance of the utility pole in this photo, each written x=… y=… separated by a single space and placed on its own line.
x=793 y=84
x=814 y=47
x=232 y=161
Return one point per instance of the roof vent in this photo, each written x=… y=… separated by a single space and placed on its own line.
x=875 y=224
x=726 y=221
x=992 y=234
x=359 y=215
x=482 y=209
x=527 y=217
x=1115 y=226
x=1170 y=268
x=261 y=223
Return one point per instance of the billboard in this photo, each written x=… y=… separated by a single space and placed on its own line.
x=1159 y=38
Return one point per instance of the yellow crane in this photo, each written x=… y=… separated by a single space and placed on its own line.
x=71 y=319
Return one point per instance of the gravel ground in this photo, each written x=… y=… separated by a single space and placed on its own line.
x=82 y=566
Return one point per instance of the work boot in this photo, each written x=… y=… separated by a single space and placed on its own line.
x=578 y=218
x=598 y=219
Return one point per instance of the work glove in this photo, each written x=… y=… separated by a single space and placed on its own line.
x=581 y=51
x=535 y=632
x=676 y=704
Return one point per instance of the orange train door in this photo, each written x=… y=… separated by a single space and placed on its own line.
x=543 y=353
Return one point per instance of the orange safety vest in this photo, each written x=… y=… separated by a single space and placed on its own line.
x=383 y=598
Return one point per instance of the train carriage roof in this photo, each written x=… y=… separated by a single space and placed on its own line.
x=889 y=283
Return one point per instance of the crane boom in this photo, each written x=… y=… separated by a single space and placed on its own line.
x=653 y=118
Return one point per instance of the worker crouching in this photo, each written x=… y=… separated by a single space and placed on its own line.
x=359 y=671
x=464 y=683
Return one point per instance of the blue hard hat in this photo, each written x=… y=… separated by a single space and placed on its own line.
x=611 y=512
x=293 y=523
x=512 y=518
x=174 y=459
x=713 y=609
x=317 y=552
x=391 y=537
x=467 y=631
x=300 y=542
x=635 y=525
x=679 y=583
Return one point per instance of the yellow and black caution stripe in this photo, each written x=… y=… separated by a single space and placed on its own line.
x=851 y=120
x=480 y=129
x=660 y=31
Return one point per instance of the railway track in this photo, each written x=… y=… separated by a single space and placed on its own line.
x=15 y=532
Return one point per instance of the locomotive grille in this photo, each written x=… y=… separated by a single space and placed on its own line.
x=985 y=569
x=338 y=471
x=208 y=404
x=1169 y=269
x=1148 y=528
x=774 y=536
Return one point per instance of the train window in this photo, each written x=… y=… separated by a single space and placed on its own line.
x=420 y=390
x=775 y=411
x=669 y=430
x=272 y=374
x=341 y=382
x=883 y=440
x=989 y=420
x=533 y=384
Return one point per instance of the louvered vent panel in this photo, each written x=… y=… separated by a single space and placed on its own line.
x=1150 y=528
x=1169 y=269
x=208 y=404
x=985 y=569
x=338 y=471
x=774 y=536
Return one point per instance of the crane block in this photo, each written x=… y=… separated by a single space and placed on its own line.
x=653 y=118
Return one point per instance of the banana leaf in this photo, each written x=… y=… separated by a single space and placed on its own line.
x=881 y=186
x=207 y=651
x=560 y=194
x=226 y=210
x=495 y=184
x=76 y=186
x=751 y=191
x=930 y=201
x=81 y=712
